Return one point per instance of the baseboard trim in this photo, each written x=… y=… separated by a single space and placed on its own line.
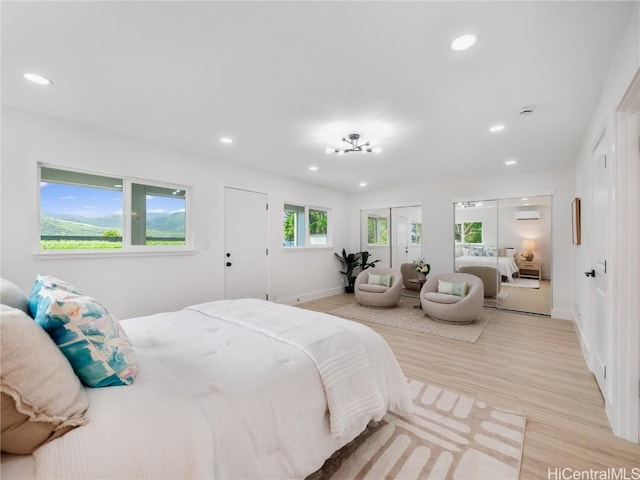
x=562 y=314
x=307 y=297
x=584 y=346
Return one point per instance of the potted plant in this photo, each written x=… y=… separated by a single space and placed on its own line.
x=351 y=262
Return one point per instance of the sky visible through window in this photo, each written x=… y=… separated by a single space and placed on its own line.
x=60 y=199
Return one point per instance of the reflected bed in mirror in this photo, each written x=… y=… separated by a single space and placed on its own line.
x=513 y=236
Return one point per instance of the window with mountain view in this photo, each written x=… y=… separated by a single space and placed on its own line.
x=83 y=211
x=157 y=215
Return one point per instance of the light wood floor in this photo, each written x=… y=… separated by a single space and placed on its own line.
x=536 y=300
x=527 y=363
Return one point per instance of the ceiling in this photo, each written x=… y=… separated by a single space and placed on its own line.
x=286 y=79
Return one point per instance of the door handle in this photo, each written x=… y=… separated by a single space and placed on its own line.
x=592 y=273
x=228 y=264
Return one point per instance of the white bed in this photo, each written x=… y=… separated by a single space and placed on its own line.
x=506 y=265
x=215 y=399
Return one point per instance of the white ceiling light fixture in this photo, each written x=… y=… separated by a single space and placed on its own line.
x=354 y=146
x=226 y=140
x=496 y=128
x=313 y=168
x=463 y=42
x=363 y=184
x=38 y=79
x=510 y=162
x=469 y=204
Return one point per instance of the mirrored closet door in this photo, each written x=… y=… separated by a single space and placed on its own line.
x=392 y=235
x=511 y=238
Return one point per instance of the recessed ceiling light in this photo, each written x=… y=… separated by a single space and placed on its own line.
x=363 y=184
x=527 y=204
x=463 y=42
x=226 y=140
x=313 y=168
x=496 y=128
x=39 y=79
x=525 y=199
x=510 y=162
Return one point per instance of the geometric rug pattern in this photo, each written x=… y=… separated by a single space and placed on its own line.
x=449 y=436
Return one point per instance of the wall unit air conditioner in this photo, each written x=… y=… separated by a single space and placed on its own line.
x=527 y=215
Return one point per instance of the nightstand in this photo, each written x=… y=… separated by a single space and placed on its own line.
x=529 y=269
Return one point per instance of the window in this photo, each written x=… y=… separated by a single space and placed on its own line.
x=305 y=226
x=416 y=233
x=457 y=232
x=83 y=211
x=472 y=232
x=157 y=215
x=377 y=230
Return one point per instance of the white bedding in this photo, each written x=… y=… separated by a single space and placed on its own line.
x=216 y=400
x=506 y=265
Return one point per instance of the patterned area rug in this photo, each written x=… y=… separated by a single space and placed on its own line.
x=448 y=436
x=406 y=317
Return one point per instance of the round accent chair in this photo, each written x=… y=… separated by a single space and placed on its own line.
x=448 y=308
x=370 y=293
x=489 y=276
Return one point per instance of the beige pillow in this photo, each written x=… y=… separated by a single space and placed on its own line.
x=42 y=399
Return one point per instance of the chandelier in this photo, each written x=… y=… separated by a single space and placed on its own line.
x=470 y=204
x=354 y=146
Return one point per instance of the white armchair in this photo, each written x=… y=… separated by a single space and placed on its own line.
x=372 y=295
x=451 y=308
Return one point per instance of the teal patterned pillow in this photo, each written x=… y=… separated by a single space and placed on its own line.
x=476 y=251
x=458 y=289
x=490 y=251
x=43 y=287
x=90 y=337
x=384 y=280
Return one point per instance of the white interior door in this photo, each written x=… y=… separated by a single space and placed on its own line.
x=401 y=243
x=599 y=239
x=245 y=244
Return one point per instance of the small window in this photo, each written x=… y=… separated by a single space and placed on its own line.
x=457 y=232
x=305 y=226
x=377 y=231
x=318 y=227
x=472 y=232
x=83 y=211
x=157 y=215
x=416 y=233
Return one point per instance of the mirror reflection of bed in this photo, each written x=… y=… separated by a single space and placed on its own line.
x=507 y=243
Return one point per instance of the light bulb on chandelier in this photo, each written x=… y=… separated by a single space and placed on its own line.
x=354 y=146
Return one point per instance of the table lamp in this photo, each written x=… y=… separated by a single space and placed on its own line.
x=528 y=246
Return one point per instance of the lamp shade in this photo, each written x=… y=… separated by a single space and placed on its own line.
x=529 y=245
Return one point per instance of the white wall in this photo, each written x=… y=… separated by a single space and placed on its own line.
x=437 y=200
x=132 y=286
x=622 y=335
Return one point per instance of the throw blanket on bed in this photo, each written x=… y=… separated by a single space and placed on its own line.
x=341 y=361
